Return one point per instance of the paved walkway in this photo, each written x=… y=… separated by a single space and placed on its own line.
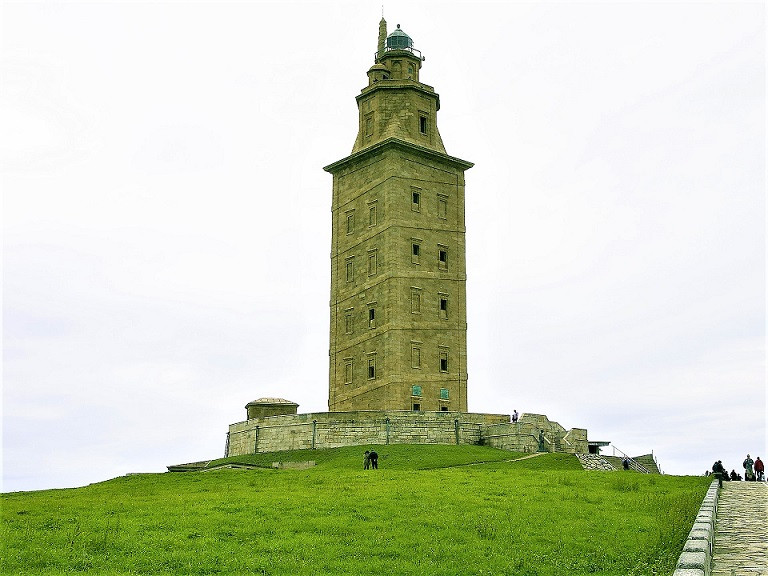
x=741 y=544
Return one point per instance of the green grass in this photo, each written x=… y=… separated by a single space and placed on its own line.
x=392 y=457
x=427 y=510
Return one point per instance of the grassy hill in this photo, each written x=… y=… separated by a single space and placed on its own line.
x=442 y=510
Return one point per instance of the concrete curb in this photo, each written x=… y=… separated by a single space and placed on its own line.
x=696 y=557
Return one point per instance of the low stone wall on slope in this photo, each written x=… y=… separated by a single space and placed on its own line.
x=318 y=430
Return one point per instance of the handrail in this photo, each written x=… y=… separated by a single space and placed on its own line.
x=410 y=49
x=656 y=462
x=632 y=462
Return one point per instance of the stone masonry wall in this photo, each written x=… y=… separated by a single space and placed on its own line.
x=533 y=430
x=335 y=429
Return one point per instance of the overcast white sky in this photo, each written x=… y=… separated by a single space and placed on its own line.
x=167 y=219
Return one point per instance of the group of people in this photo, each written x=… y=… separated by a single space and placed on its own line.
x=370 y=460
x=754 y=470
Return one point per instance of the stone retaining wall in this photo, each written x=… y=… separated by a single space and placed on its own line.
x=696 y=557
x=535 y=432
x=335 y=429
x=595 y=462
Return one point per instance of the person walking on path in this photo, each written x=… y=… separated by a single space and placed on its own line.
x=749 y=474
x=760 y=469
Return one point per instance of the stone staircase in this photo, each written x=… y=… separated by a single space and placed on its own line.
x=639 y=464
x=649 y=462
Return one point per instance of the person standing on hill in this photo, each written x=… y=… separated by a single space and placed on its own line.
x=760 y=469
x=374 y=460
x=749 y=474
x=366 y=460
x=515 y=416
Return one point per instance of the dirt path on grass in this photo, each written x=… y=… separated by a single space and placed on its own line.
x=741 y=547
x=495 y=461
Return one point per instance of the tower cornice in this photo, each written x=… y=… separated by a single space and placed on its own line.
x=400 y=85
x=396 y=143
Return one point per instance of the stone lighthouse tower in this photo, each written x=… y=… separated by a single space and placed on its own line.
x=398 y=337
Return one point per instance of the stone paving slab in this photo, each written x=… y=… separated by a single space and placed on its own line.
x=741 y=544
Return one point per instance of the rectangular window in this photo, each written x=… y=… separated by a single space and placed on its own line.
x=415 y=357
x=415 y=253
x=442 y=207
x=443 y=393
x=369 y=125
x=350 y=269
x=443 y=307
x=350 y=221
x=348 y=322
x=444 y=408
x=442 y=257
x=415 y=301
x=348 y=370
x=372 y=262
x=443 y=361
x=416 y=391
x=372 y=215
x=423 y=123
x=415 y=198
x=371 y=317
x=371 y=367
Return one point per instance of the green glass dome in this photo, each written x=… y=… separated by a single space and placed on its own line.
x=399 y=40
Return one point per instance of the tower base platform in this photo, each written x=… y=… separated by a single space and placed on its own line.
x=531 y=433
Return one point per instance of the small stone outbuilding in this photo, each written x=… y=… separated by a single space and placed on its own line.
x=265 y=407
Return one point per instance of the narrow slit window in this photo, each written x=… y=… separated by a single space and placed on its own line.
x=443 y=361
x=443 y=308
x=372 y=215
x=415 y=357
x=372 y=368
x=350 y=269
x=348 y=323
x=415 y=301
x=369 y=125
x=423 y=124
x=372 y=263
x=442 y=257
x=415 y=201
x=350 y=222
x=442 y=207
x=348 y=371
x=415 y=253
x=371 y=317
